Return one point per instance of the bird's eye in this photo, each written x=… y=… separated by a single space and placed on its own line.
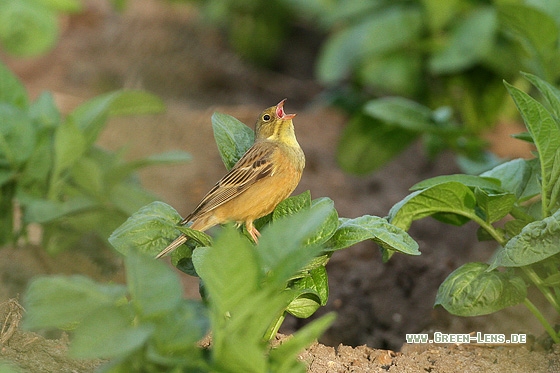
x=266 y=117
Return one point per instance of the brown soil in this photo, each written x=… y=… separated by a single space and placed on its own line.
x=167 y=50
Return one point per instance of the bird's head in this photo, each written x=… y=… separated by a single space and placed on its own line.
x=275 y=124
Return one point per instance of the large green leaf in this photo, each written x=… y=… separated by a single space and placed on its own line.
x=473 y=290
x=518 y=176
x=11 y=89
x=293 y=240
x=398 y=72
x=451 y=202
x=17 y=135
x=471 y=181
x=60 y=301
x=537 y=30
x=229 y=269
x=152 y=298
x=149 y=230
x=368 y=144
x=233 y=138
x=69 y=146
x=43 y=111
x=27 y=27
x=494 y=205
x=386 y=235
x=312 y=293
x=108 y=333
x=546 y=134
x=537 y=241
x=470 y=41
x=550 y=92
x=345 y=48
x=402 y=112
x=46 y=210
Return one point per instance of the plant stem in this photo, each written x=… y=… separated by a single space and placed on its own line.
x=535 y=311
x=536 y=280
x=490 y=229
x=273 y=329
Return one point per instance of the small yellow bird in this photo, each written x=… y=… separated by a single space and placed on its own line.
x=264 y=176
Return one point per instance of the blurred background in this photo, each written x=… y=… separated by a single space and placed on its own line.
x=387 y=93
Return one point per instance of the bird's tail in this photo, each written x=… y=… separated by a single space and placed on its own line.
x=172 y=246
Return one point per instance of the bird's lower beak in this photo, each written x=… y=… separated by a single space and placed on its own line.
x=280 y=111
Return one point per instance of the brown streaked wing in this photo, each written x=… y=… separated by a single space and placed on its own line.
x=252 y=166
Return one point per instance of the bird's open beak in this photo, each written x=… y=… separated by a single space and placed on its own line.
x=280 y=111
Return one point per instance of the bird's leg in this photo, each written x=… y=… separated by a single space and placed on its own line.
x=255 y=234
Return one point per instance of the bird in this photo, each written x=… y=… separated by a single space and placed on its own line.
x=265 y=175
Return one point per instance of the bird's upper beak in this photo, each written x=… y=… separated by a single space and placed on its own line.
x=280 y=111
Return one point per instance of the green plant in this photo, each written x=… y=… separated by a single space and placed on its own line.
x=527 y=192
x=448 y=55
x=233 y=138
x=247 y=289
x=148 y=327
x=30 y=27
x=51 y=170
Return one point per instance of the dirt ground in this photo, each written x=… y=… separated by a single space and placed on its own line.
x=169 y=51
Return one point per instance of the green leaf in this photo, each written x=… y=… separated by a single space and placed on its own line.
x=17 y=135
x=342 y=51
x=26 y=27
x=149 y=230
x=327 y=228
x=338 y=55
x=201 y=237
x=494 y=205
x=292 y=205
x=473 y=290
x=43 y=111
x=446 y=201
x=60 y=301
x=440 y=13
x=232 y=137
x=108 y=333
x=281 y=248
x=229 y=269
x=402 y=112
x=546 y=134
x=87 y=175
x=537 y=241
x=129 y=102
x=91 y=116
x=550 y=92
x=386 y=235
x=11 y=89
x=69 y=146
x=470 y=41
x=129 y=196
x=471 y=181
x=180 y=330
x=152 y=298
x=312 y=293
x=537 y=30
x=44 y=210
x=398 y=72
x=518 y=176
x=367 y=144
